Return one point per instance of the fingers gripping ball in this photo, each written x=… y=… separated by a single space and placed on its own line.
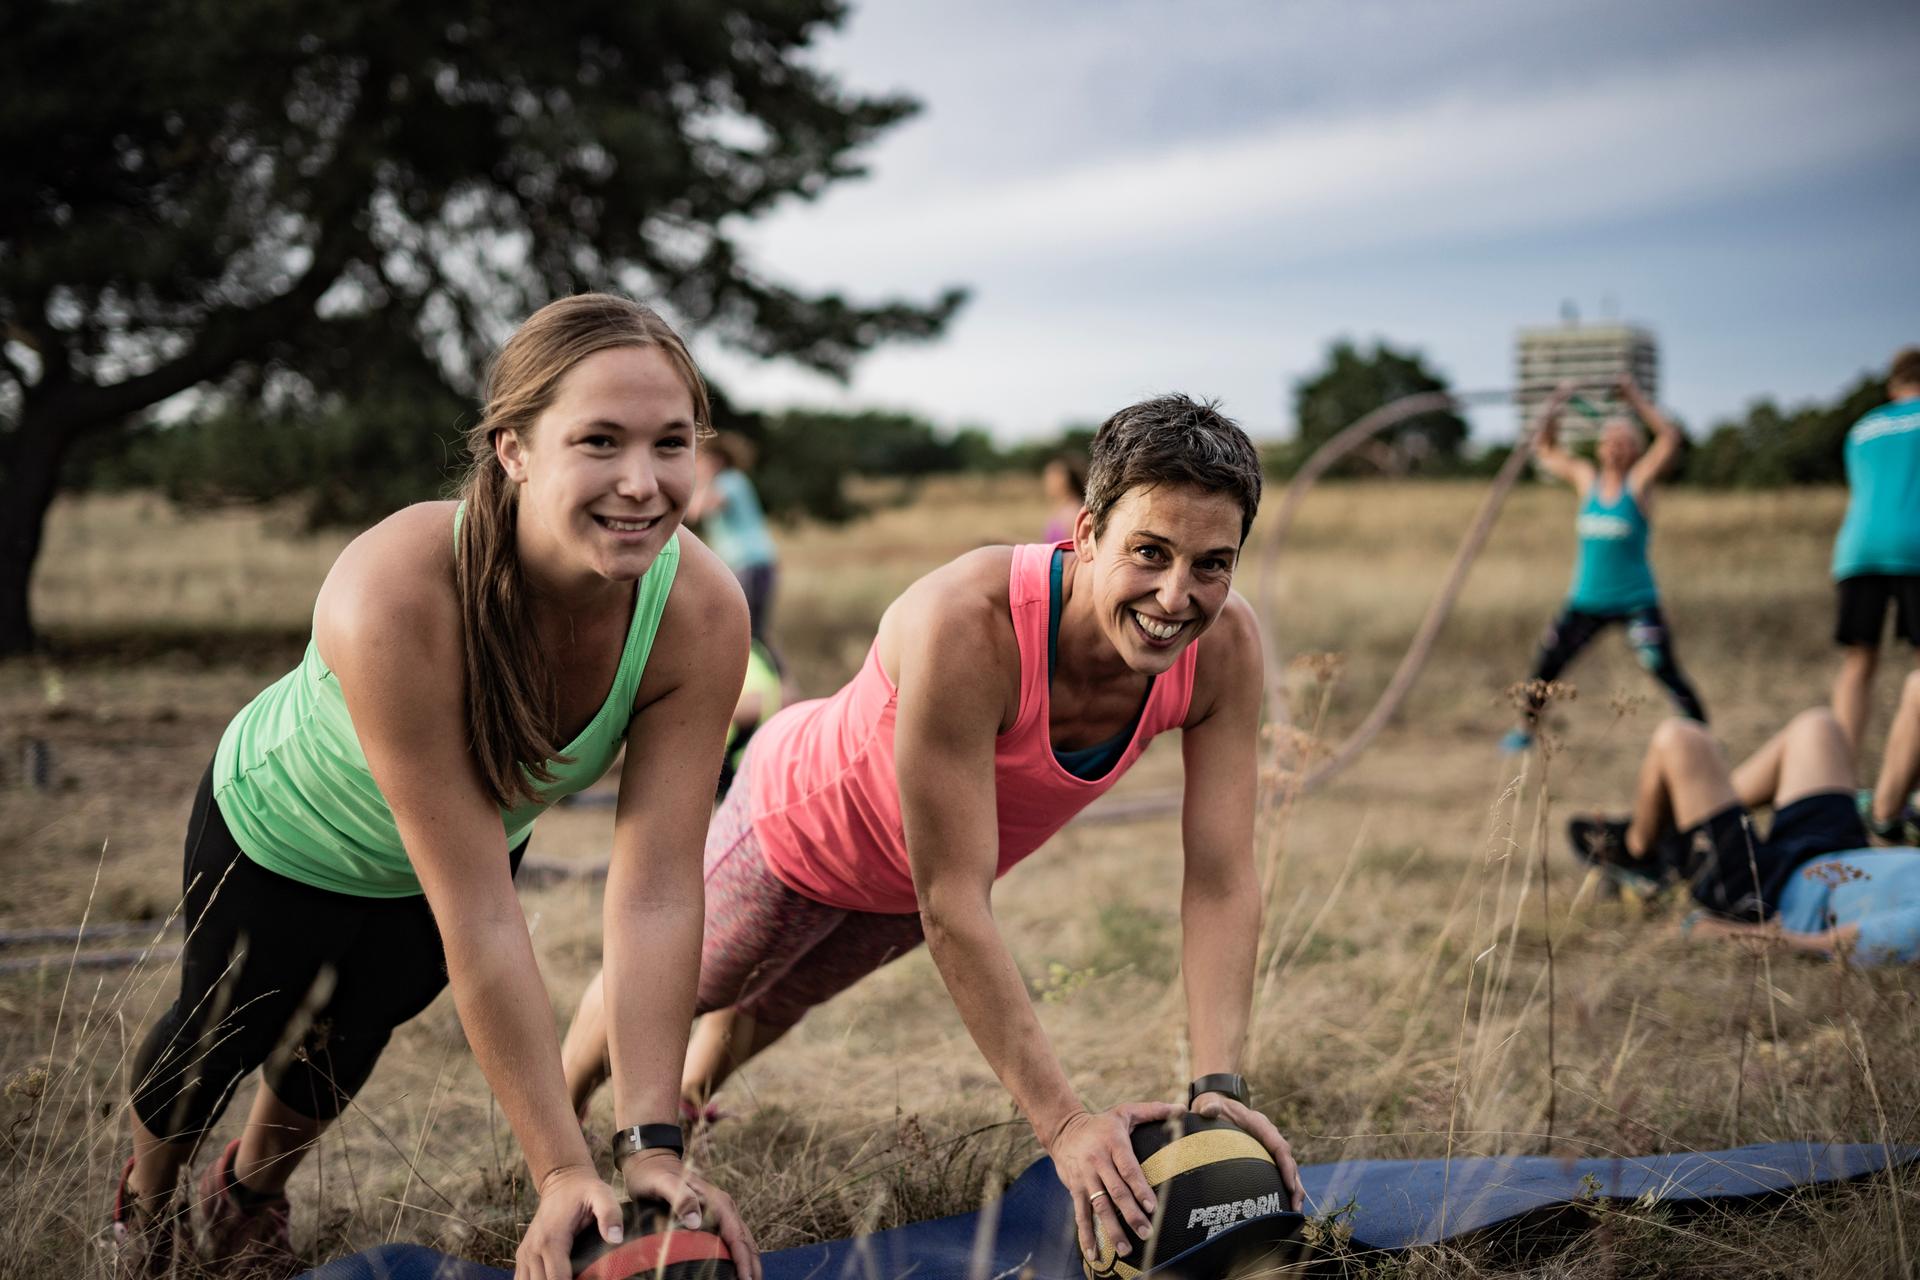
x=654 y=1246
x=1211 y=1180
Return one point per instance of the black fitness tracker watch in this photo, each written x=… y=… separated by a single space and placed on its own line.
x=1225 y=1083
x=648 y=1137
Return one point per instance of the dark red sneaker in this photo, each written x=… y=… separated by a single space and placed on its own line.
x=144 y=1237
x=235 y=1240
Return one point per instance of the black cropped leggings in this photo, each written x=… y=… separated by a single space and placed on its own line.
x=262 y=951
x=1647 y=633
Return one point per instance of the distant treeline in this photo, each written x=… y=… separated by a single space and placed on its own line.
x=352 y=466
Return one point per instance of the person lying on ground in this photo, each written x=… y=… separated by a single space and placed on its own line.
x=1004 y=692
x=1812 y=883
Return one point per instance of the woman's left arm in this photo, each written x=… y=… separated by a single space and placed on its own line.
x=1220 y=905
x=655 y=897
x=1666 y=439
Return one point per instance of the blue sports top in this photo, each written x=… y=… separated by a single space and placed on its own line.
x=737 y=528
x=1611 y=573
x=1877 y=890
x=1881 y=534
x=1095 y=762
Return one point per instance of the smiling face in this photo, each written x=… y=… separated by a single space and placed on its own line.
x=1161 y=570
x=605 y=473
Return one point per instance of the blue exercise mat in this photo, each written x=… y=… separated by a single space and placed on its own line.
x=1396 y=1204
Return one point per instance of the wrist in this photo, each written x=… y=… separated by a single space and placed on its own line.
x=636 y=1165
x=1049 y=1131
x=1226 y=1084
x=545 y=1181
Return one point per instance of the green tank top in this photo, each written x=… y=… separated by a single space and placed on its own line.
x=293 y=785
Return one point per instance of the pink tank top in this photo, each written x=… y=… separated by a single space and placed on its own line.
x=826 y=800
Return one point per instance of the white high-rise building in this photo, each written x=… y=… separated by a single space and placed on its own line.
x=1592 y=355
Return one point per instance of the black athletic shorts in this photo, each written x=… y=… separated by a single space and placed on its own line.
x=1863 y=608
x=1734 y=874
x=262 y=950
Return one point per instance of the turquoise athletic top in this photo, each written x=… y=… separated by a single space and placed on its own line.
x=1881 y=534
x=737 y=528
x=293 y=785
x=1611 y=573
x=1875 y=889
x=1089 y=764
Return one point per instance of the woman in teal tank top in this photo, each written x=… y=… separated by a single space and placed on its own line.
x=353 y=845
x=1612 y=579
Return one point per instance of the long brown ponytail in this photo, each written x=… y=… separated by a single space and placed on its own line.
x=512 y=696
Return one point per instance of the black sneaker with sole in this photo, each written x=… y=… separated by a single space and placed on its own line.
x=1601 y=843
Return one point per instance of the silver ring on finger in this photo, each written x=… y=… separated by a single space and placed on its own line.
x=1097 y=1196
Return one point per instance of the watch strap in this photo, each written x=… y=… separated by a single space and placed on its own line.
x=1225 y=1083
x=648 y=1137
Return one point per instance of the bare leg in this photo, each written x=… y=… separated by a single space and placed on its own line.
x=1756 y=778
x=583 y=1055
x=156 y=1163
x=1815 y=757
x=1900 y=766
x=723 y=1042
x=1683 y=782
x=277 y=1138
x=1851 y=689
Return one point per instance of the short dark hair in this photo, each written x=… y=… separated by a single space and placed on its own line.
x=1906 y=368
x=1172 y=439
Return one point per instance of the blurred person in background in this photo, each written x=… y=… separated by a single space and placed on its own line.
x=1876 y=558
x=1612 y=579
x=726 y=507
x=1005 y=692
x=1064 y=479
x=1820 y=880
x=353 y=845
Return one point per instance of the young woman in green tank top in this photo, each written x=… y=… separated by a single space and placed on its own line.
x=353 y=845
x=1612 y=577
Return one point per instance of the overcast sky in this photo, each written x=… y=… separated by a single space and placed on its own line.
x=1147 y=195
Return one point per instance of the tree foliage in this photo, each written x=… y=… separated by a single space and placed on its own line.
x=322 y=218
x=1355 y=382
x=1771 y=446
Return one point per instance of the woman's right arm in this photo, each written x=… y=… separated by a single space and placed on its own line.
x=1547 y=453
x=392 y=639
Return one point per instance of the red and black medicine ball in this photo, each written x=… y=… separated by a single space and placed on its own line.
x=1221 y=1203
x=654 y=1247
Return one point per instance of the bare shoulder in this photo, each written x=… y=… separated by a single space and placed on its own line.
x=1231 y=664
x=392 y=588
x=955 y=608
x=704 y=622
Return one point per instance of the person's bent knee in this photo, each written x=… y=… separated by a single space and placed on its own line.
x=1815 y=720
x=1681 y=734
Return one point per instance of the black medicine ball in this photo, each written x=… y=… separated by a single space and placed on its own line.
x=653 y=1247
x=1211 y=1179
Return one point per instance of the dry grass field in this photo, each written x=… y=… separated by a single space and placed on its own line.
x=1436 y=975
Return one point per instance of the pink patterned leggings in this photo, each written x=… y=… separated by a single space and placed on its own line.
x=770 y=952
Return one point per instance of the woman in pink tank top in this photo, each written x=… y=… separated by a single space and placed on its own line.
x=1004 y=692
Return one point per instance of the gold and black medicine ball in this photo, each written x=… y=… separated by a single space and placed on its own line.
x=654 y=1247
x=1221 y=1204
